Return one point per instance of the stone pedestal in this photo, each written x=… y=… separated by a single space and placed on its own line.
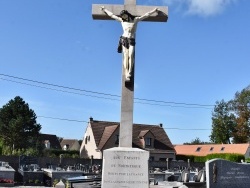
x=125 y=167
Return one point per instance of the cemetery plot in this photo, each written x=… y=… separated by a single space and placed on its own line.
x=223 y=173
x=30 y=171
x=6 y=175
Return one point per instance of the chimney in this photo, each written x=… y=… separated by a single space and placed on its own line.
x=91 y=119
x=160 y=124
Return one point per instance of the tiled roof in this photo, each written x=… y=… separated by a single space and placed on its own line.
x=108 y=131
x=69 y=142
x=203 y=150
x=143 y=133
x=53 y=140
x=100 y=127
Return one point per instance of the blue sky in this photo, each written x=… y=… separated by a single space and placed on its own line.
x=200 y=56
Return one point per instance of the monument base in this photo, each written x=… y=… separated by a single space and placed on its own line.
x=125 y=167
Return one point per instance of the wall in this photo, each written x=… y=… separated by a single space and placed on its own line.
x=88 y=147
x=247 y=155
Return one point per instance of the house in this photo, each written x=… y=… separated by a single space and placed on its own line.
x=50 y=141
x=101 y=135
x=70 y=144
x=203 y=150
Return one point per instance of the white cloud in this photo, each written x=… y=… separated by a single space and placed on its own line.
x=200 y=7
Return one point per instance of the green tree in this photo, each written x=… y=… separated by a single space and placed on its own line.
x=196 y=141
x=241 y=107
x=223 y=123
x=18 y=126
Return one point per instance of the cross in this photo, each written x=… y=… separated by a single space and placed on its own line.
x=127 y=100
x=130 y=5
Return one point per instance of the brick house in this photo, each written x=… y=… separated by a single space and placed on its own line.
x=101 y=135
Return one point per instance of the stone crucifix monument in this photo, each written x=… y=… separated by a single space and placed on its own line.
x=125 y=166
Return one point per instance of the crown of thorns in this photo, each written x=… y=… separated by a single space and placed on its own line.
x=124 y=12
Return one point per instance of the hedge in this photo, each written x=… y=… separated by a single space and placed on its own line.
x=227 y=156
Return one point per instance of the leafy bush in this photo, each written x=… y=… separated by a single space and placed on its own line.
x=227 y=156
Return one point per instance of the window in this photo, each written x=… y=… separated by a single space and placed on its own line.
x=117 y=139
x=66 y=147
x=198 y=149
x=87 y=139
x=148 y=141
x=47 y=144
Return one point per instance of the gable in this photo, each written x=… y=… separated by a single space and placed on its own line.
x=70 y=143
x=53 y=140
x=108 y=132
x=102 y=130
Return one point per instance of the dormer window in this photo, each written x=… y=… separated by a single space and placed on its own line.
x=47 y=144
x=198 y=149
x=148 y=141
x=66 y=147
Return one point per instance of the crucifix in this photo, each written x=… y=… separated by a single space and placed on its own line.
x=129 y=15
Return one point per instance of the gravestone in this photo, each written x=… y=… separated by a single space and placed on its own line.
x=222 y=173
x=125 y=166
x=27 y=160
x=6 y=171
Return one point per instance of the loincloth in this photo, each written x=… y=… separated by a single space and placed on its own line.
x=126 y=42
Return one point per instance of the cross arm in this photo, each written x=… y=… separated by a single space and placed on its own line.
x=160 y=16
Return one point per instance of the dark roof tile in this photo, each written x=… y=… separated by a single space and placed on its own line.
x=161 y=139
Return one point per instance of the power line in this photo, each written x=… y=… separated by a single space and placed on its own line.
x=155 y=102
x=60 y=86
x=63 y=119
x=190 y=129
x=64 y=91
x=82 y=121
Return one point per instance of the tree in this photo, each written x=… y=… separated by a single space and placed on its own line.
x=241 y=106
x=196 y=141
x=18 y=126
x=223 y=123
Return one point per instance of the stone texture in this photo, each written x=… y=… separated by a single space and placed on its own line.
x=136 y=11
x=222 y=173
x=127 y=105
x=125 y=167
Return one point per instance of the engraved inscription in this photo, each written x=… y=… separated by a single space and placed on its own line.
x=235 y=173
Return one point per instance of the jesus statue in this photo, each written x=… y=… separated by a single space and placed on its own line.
x=127 y=40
